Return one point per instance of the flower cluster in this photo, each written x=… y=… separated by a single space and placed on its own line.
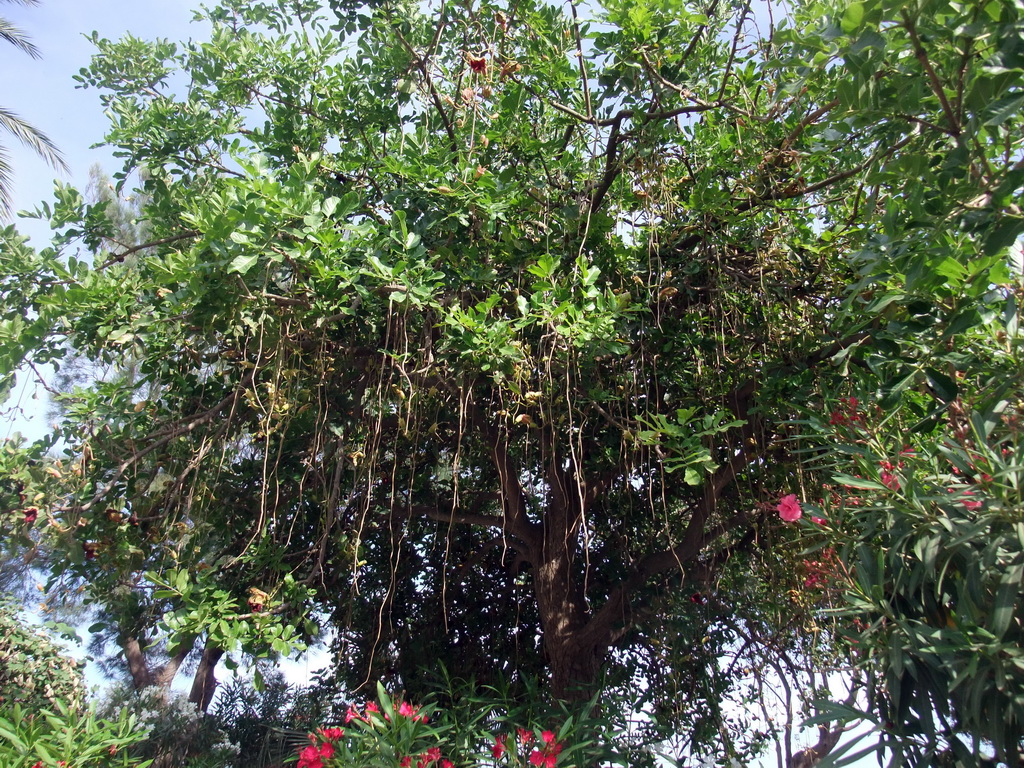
x=820 y=572
x=426 y=759
x=314 y=756
x=393 y=734
x=404 y=709
x=547 y=755
x=543 y=755
x=846 y=413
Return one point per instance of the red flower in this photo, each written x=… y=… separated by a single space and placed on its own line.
x=550 y=760
x=889 y=480
x=537 y=758
x=332 y=734
x=31 y=513
x=477 y=63
x=971 y=505
x=498 y=749
x=525 y=736
x=819 y=521
x=447 y=764
x=789 y=508
x=326 y=750
x=371 y=706
x=547 y=737
x=405 y=709
x=310 y=758
x=405 y=762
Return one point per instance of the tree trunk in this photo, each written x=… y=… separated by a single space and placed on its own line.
x=574 y=657
x=205 y=683
x=135 y=657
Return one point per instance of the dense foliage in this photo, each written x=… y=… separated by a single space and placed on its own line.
x=44 y=720
x=502 y=335
x=35 y=672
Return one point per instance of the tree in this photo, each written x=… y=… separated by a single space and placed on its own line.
x=31 y=137
x=484 y=330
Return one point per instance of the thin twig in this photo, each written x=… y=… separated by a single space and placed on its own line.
x=579 y=55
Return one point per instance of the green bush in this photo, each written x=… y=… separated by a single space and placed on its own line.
x=175 y=731
x=475 y=728
x=67 y=737
x=34 y=671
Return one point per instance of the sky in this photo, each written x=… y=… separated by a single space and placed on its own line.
x=43 y=92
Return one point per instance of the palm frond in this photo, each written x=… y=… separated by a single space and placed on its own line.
x=17 y=38
x=36 y=140
x=6 y=181
x=33 y=138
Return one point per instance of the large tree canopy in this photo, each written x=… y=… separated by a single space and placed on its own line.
x=482 y=328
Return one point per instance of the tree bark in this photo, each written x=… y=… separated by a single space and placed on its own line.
x=138 y=667
x=205 y=682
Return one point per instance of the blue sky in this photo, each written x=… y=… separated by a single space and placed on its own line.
x=44 y=93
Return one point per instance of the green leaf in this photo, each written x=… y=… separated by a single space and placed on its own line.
x=853 y=17
x=243 y=263
x=1001 y=236
x=858 y=482
x=946 y=390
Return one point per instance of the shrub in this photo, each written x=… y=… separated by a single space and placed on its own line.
x=34 y=671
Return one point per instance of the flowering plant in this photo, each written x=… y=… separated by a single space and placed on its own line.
x=397 y=734
x=925 y=542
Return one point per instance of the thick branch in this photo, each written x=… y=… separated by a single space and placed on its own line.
x=933 y=79
x=117 y=258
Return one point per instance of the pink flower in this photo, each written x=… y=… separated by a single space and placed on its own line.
x=405 y=709
x=332 y=734
x=351 y=715
x=889 y=480
x=371 y=706
x=971 y=505
x=537 y=758
x=789 y=508
x=547 y=737
x=525 y=736
x=434 y=754
x=819 y=521
x=405 y=762
x=550 y=760
x=447 y=764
